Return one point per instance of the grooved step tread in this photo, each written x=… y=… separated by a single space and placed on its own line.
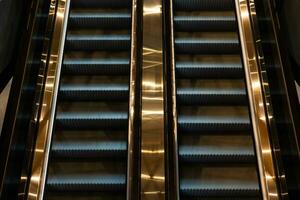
x=89 y=149
x=216 y=155
x=86 y=182
x=93 y=92
x=77 y=66
x=97 y=20
x=204 y=23
x=188 y=96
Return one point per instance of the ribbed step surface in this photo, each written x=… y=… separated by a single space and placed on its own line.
x=88 y=156
x=214 y=124
x=220 y=190
x=190 y=96
x=211 y=155
x=94 y=92
x=196 y=5
x=98 y=42
x=208 y=70
x=205 y=23
x=215 y=144
x=101 y=4
x=97 y=20
x=92 y=66
x=86 y=182
x=206 y=46
x=111 y=120
x=89 y=149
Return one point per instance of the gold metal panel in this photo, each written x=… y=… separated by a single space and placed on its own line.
x=152 y=124
x=46 y=118
x=132 y=101
x=257 y=104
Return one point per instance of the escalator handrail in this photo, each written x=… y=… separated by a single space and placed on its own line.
x=256 y=102
x=46 y=118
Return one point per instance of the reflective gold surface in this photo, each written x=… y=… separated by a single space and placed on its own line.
x=132 y=101
x=175 y=173
x=41 y=151
x=257 y=104
x=152 y=124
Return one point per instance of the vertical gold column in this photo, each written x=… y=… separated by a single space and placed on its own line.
x=152 y=123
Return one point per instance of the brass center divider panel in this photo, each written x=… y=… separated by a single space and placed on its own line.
x=46 y=118
x=257 y=104
x=152 y=121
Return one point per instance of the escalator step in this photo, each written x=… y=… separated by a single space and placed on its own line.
x=188 y=96
x=214 y=124
x=215 y=155
x=207 y=46
x=95 y=66
x=98 y=20
x=101 y=4
x=214 y=189
x=208 y=70
x=189 y=5
x=89 y=149
x=86 y=182
x=204 y=23
x=93 y=92
x=98 y=42
x=103 y=120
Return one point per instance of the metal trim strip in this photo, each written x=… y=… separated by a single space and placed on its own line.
x=132 y=103
x=174 y=104
x=46 y=118
x=153 y=114
x=257 y=104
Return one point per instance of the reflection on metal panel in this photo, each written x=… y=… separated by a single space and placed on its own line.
x=257 y=104
x=41 y=151
x=3 y=99
x=152 y=125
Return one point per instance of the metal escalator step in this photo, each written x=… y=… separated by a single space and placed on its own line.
x=204 y=23
x=208 y=70
x=98 y=42
x=93 y=92
x=213 y=123
x=100 y=120
x=99 y=21
x=207 y=46
x=101 y=4
x=216 y=155
x=213 y=189
x=84 y=150
x=92 y=66
x=189 y=5
x=217 y=96
x=86 y=182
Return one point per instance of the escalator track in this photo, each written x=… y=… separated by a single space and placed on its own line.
x=88 y=155
x=216 y=155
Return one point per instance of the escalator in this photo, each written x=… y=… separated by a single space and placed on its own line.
x=216 y=155
x=88 y=155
